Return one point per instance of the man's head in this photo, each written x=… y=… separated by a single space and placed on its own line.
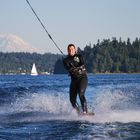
x=71 y=49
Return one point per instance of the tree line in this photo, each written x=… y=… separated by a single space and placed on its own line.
x=109 y=56
x=106 y=56
x=22 y=62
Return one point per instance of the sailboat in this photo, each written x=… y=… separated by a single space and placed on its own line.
x=34 y=71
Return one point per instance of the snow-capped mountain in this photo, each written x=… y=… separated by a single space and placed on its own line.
x=13 y=43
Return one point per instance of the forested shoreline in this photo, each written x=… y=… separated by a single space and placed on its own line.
x=107 y=56
x=22 y=62
x=110 y=56
x=113 y=56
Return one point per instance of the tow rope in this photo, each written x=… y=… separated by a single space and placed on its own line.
x=44 y=27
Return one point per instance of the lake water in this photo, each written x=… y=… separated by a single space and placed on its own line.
x=38 y=108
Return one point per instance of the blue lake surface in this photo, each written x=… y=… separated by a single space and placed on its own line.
x=38 y=108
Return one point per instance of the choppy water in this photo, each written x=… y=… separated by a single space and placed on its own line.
x=38 y=108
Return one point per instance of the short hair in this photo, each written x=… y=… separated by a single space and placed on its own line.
x=70 y=45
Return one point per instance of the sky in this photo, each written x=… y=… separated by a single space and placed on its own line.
x=70 y=21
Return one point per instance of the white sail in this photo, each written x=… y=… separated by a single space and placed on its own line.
x=34 y=71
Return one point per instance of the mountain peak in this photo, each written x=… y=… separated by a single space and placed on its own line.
x=13 y=43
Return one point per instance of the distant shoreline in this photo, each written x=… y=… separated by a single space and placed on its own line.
x=117 y=73
x=66 y=74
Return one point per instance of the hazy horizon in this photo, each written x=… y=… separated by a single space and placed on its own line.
x=80 y=22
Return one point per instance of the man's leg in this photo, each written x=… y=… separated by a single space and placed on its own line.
x=73 y=95
x=82 y=87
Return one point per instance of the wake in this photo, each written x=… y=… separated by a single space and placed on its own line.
x=38 y=107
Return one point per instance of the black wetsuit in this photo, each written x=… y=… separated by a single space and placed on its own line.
x=76 y=68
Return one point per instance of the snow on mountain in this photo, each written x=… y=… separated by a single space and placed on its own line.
x=13 y=43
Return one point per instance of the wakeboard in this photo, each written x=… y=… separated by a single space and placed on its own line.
x=87 y=114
